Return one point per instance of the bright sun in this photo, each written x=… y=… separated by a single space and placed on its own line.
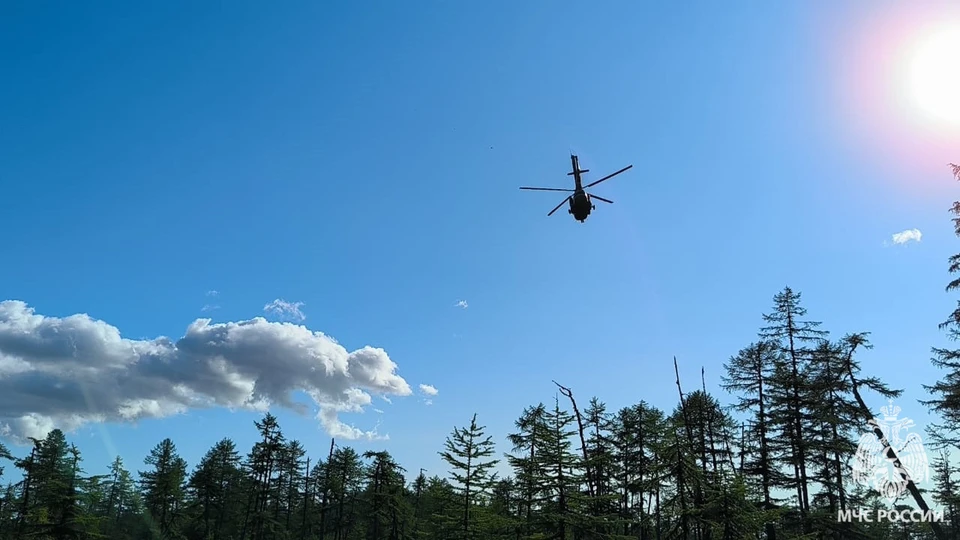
x=934 y=75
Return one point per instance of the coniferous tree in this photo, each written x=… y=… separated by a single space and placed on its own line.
x=263 y=463
x=525 y=460
x=750 y=373
x=947 y=491
x=504 y=509
x=346 y=478
x=637 y=433
x=386 y=511
x=122 y=506
x=562 y=477
x=603 y=463
x=468 y=451
x=164 y=489
x=946 y=391
x=791 y=394
x=214 y=487
x=419 y=486
x=4 y=455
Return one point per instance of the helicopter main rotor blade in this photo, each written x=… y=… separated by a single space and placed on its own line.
x=609 y=176
x=547 y=189
x=592 y=196
x=558 y=206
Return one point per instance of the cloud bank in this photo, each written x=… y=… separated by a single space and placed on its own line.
x=909 y=235
x=71 y=371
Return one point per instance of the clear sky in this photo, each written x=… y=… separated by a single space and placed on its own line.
x=360 y=162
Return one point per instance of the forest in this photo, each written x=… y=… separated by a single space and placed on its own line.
x=770 y=460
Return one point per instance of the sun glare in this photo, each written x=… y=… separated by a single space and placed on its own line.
x=934 y=75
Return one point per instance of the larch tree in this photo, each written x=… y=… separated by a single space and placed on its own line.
x=947 y=491
x=749 y=374
x=469 y=451
x=526 y=463
x=946 y=391
x=791 y=396
x=164 y=488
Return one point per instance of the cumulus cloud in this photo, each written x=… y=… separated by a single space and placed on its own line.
x=284 y=310
x=72 y=371
x=213 y=293
x=462 y=304
x=428 y=391
x=909 y=235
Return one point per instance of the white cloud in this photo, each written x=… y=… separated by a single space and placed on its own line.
x=285 y=310
x=907 y=236
x=462 y=304
x=72 y=371
x=213 y=293
x=210 y=307
x=428 y=391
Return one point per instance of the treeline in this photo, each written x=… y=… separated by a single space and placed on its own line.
x=776 y=464
x=693 y=472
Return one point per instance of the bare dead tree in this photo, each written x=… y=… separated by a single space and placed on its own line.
x=583 y=441
x=855 y=341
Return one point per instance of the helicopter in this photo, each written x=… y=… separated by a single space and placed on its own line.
x=581 y=202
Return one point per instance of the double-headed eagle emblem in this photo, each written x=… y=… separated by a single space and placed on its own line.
x=873 y=467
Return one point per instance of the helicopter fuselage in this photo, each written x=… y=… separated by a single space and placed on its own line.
x=580 y=203
x=580 y=206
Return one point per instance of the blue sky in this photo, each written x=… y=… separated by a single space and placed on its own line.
x=364 y=160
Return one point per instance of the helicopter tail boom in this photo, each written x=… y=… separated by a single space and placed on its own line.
x=575 y=162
